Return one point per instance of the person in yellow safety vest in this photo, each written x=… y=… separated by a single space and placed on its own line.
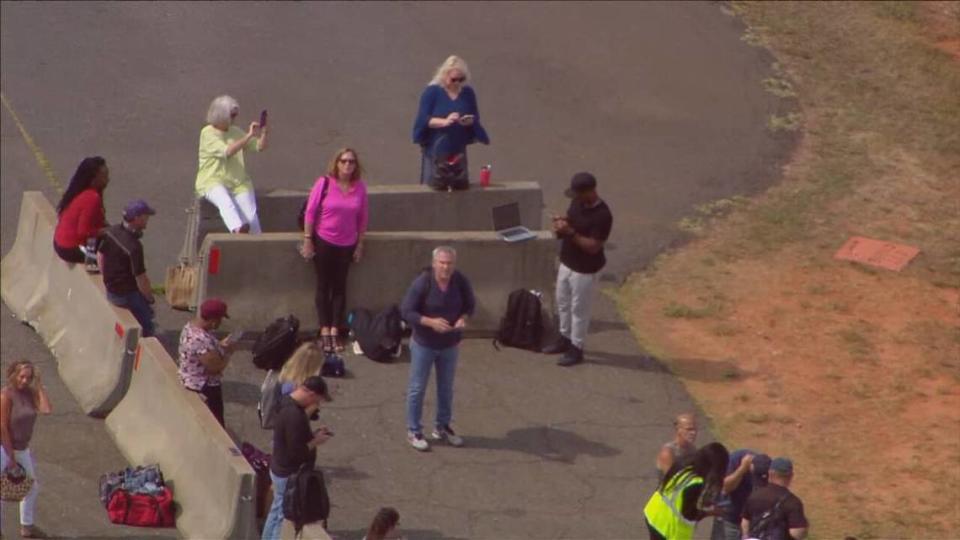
x=675 y=508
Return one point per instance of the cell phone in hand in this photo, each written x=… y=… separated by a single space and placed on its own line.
x=235 y=336
x=324 y=430
x=263 y=118
x=466 y=117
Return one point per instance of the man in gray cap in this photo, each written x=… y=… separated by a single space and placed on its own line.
x=583 y=231
x=772 y=511
x=122 y=266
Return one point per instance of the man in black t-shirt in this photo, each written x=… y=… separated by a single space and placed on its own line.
x=121 y=263
x=772 y=512
x=294 y=443
x=583 y=232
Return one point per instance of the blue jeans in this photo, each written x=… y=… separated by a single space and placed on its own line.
x=421 y=360
x=274 y=522
x=138 y=305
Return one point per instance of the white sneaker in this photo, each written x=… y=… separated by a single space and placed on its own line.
x=445 y=433
x=417 y=441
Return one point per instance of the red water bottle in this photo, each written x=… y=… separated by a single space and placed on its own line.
x=485 y=176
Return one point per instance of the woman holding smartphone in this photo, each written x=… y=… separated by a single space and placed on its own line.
x=334 y=223
x=448 y=118
x=20 y=400
x=222 y=173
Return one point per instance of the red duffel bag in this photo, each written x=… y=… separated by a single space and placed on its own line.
x=140 y=510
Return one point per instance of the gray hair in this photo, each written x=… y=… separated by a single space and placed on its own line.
x=452 y=62
x=220 y=109
x=444 y=249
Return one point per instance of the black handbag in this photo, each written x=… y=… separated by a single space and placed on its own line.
x=448 y=170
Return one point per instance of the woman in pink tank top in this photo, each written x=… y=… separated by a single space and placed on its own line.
x=20 y=400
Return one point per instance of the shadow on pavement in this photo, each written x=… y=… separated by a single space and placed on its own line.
x=545 y=443
x=641 y=362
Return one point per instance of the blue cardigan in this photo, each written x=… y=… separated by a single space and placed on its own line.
x=434 y=102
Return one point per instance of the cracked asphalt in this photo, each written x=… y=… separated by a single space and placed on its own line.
x=661 y=100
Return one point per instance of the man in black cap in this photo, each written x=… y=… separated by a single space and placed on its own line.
x=583 y=232
x=294 y=443
x=122 y=267
x=772 y=511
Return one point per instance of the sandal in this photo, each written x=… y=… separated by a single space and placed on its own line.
x=336 y=344
x=326 y=343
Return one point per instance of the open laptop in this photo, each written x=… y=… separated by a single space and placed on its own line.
x=506 y=221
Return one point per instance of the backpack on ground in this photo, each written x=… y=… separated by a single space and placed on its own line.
x=277 y=343
x=270 y=395
x=305 y=500
x=379 y=335
x=333 y=366
x=771 y=525
x=522 y=324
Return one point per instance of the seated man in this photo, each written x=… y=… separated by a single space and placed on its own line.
x=122 y=266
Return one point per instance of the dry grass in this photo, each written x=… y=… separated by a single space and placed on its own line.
x=852 y=371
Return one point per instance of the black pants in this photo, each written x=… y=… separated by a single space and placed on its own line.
x=71 y=255
x=332 y=264
x=213 y=396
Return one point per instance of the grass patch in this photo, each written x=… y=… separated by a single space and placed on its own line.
x=676 y=310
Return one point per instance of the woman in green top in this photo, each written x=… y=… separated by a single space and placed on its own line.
x=222 y=176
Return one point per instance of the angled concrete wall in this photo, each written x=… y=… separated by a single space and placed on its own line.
x=93 y=340
x=408 y=207
x=159 y=421
x=263 y=277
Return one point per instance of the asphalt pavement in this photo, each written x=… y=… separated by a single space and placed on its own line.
x=661 y=101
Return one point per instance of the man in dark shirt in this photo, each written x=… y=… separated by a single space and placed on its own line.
x=776 y=505
x=122 y=267
x=294 y=443
x=583 y=232
x=436 y=306
x=746 y=471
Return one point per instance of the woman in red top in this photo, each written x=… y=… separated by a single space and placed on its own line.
x=81 y=216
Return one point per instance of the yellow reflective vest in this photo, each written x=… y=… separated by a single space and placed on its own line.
x=663 y=510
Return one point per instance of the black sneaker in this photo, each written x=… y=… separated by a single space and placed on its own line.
x=559 y=346
x=572 y=357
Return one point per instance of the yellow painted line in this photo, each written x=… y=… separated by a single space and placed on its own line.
x=37 y=152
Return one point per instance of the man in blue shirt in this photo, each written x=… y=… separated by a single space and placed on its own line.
x=436 y=306
x=746 y=471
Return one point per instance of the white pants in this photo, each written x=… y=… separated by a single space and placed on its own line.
x=574 y=298
x=29 y=503
x=235 y=208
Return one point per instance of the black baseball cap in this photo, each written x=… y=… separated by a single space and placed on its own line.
x=317 y=385
x=581 y=182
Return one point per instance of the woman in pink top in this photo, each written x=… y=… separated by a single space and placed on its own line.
x=333 y=227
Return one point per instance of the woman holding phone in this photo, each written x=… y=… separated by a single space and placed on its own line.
x=222 y=174
x=20 y=400
x=448 y=118
x=334 y=223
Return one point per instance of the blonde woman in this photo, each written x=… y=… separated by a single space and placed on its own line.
x=305 y=362
x=448 y=118
x=20 y=400
x=222 y=174
x=334 y=223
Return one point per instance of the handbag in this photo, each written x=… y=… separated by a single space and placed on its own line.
x=15 y=483
x=141 y=509
x=448 y=171
x=180 y=284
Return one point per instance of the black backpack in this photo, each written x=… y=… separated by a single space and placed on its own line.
x=277 y=343
x=378 y=335
x=305 y=499
x=771 y=524
x=522 y=324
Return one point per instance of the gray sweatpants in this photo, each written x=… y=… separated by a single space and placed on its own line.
x=574 y=298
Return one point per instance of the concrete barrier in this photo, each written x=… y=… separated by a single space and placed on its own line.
x=93 y=340
x=263 y=277
x=408 y=207
x=23 y=284
x=161 y=422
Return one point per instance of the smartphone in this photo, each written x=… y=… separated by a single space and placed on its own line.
x=235 y=336
x=321 y=430
x=466 y=117
x=263 y=118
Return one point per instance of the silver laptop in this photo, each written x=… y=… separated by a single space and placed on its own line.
x=506 y=221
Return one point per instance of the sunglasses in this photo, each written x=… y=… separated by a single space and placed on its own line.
x=347 y=160
x=458 y=79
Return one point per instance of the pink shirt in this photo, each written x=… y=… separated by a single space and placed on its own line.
x=343 y=216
